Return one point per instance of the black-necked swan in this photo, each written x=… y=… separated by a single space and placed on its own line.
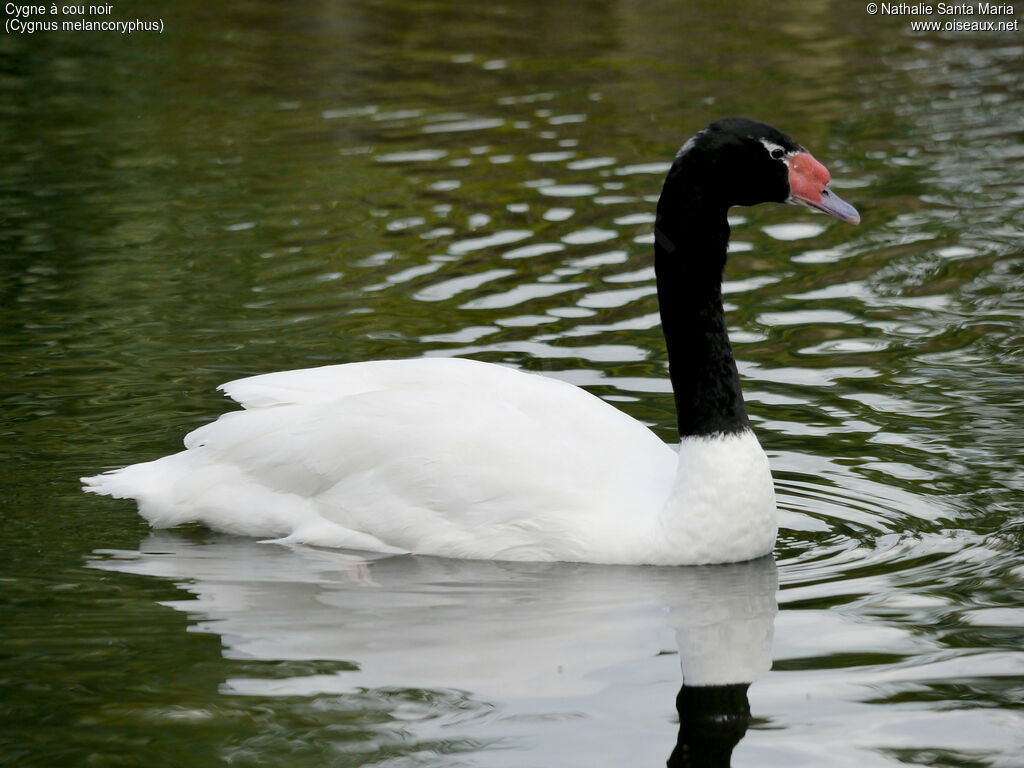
x=458 y=458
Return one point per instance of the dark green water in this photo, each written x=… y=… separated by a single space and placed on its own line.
x=267 y=186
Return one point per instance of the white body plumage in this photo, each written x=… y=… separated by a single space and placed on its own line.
x=457 y=458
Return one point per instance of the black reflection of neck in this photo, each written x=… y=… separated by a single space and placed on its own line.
x=712 y=720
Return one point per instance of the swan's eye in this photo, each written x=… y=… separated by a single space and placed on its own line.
x=775 y=152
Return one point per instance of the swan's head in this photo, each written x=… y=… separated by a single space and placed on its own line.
x=737 y=161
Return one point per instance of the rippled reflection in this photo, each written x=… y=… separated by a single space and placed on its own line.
x=501 y=654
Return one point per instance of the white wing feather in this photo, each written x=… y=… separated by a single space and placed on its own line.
x=436 y=456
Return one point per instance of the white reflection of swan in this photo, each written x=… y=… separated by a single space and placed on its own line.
x=500 y=631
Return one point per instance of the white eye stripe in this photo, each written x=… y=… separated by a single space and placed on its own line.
x=777 y=152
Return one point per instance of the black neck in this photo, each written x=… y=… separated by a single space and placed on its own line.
x=691 y=240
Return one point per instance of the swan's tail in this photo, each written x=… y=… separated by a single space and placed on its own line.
x=124 y=483
x=183 y=488
x=186 y=488
x=151 y=484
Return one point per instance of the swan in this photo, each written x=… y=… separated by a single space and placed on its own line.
x=457 y=458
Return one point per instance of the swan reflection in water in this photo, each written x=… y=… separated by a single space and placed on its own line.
x=528 y=639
